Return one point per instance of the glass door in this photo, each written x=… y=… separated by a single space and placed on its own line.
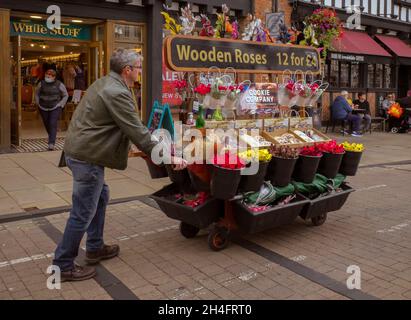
x=16 y=81
x=95 y=61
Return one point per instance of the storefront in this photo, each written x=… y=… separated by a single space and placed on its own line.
x=79 y=52
x=366 y=64
x=135 y=24
x=359 y=64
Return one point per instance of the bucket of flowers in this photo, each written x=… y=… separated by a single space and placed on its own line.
x=281 y=168
x=255 y=181
x=307 y=164
x=352 y=158
x=332 y=157
x=226 y=175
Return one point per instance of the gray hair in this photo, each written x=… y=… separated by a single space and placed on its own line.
x=344 y=93
x=122 y=58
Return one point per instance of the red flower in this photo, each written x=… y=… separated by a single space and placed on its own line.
x=331 y=147
x=228 y=161
x=290 y=85
x=203 y=89
x=312 y=151
x=179 y=84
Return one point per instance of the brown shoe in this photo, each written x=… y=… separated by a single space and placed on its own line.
x=78 y=273
x=107 y=252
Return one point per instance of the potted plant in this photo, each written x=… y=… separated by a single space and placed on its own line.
x=332 y=157
x=352 y=158
x=226 y=175
x=307 y=164
x=255 y=181
x=282 y=165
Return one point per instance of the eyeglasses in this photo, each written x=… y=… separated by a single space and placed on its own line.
x=133 y=67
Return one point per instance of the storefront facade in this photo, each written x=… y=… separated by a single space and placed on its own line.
x=362 y=62
x=89 y=33
x=134 y=24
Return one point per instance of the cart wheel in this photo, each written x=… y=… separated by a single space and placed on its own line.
x=188 y=231
x=394 y=130
x=218 y=239
x=319 y=220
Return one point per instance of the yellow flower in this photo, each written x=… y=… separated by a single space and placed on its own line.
x=353 y=147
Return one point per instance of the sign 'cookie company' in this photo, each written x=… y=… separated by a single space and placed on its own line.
x=187 y=53
x=40 y=29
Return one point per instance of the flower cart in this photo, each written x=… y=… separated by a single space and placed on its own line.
x=288 y=170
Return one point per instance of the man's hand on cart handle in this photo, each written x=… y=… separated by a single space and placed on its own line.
x=179 y=163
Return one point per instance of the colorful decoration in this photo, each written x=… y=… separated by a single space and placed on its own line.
x=171 y=24
x=207 y=29
x=249 y=29
x=188 y=20
x=235 y=34
x=221 y=23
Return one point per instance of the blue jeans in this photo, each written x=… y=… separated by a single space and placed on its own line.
x=90 y=199
x=50 y=120
x=355 y=120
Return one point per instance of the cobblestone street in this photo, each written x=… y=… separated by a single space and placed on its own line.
x=297 y=261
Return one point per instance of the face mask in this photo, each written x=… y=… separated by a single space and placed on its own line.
x=49 y=79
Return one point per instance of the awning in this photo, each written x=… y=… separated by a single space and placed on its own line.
x=398 y=47
x=360 y=47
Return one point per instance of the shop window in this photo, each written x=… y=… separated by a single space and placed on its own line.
x=355 y=75
x=334 y=73
x=371 y=76
x=127 y=33
x=378 y=75
x=387 y=76
x=344 y=75
x=131 y=37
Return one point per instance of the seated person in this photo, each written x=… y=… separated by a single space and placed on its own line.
x=386 y=104
x=362 y=103
x=341 y=110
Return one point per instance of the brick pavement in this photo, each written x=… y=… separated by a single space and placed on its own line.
x=30 y=181
x=373 y=231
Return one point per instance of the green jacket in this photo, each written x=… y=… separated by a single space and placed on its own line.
x=104 y=123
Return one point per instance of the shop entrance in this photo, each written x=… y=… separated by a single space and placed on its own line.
x=78 y=65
